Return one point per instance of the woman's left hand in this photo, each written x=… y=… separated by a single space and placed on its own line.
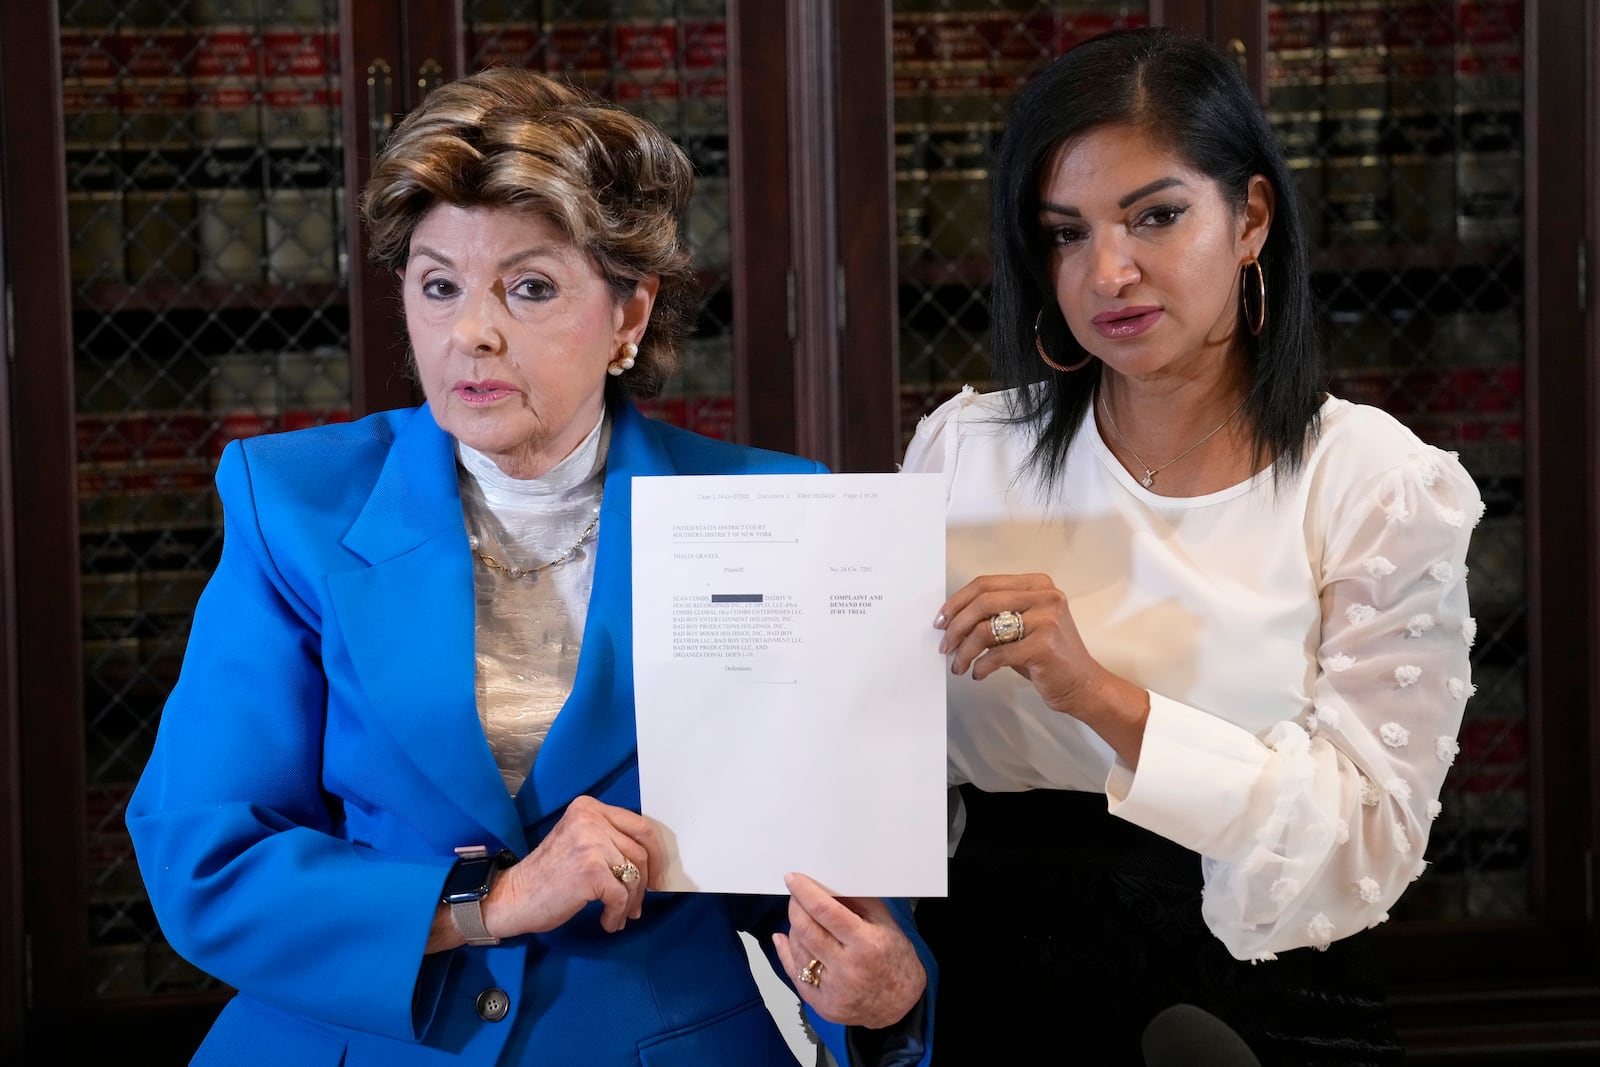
x=866 y=970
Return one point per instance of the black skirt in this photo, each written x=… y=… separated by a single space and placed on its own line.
x=1067 y=929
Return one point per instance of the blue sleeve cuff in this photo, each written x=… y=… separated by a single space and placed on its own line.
x=902 y=1044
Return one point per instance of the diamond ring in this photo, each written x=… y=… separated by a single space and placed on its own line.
x=1006 y=627
x=811 y=973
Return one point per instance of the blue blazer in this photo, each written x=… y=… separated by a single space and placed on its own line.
x=320 y=758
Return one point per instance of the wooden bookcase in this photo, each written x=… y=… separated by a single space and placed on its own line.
x=181 y=265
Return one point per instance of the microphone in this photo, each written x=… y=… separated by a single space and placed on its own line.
x=1186 y=1036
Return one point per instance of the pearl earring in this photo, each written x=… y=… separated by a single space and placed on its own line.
x=624 y=361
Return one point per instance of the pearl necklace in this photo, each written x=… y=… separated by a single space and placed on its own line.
x=511 y=570
x=1149 y=471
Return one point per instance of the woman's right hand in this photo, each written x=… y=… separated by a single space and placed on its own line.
x=1050 y=654
x=571 y=867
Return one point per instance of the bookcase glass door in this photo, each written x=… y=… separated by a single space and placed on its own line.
x=1403 y=121
x=204 y=193
x=667 y=61
x=958 y=65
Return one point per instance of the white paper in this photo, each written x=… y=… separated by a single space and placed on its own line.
x=788 y=681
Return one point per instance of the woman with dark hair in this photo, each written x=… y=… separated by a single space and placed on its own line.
x=1233 y=608
x=394 y=798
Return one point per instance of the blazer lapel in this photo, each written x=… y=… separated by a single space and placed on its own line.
x=408 y=620
x=593 y=742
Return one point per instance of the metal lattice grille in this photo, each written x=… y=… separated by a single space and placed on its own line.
x=204 y=193
x=666 y=60
x=1403 y=121
x=957 y=66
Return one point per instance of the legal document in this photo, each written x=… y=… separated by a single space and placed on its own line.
x=789 y=688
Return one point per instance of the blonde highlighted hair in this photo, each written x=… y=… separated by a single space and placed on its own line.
x=612 y=183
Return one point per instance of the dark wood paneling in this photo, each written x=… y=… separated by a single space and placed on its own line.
x=50 y=703
x=12 y=924
x=1560 y=645
x=763 y=231
x=814 y=211
x=1589 y=279
x=1238 y=26
x=435 y=46
x=868 y=369
x=1192 y=15
x=371 y=40
x=1558 y=1025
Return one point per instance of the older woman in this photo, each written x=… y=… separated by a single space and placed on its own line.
x=394 y=799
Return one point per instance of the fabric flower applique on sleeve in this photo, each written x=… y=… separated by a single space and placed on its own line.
x=1369 y=792
x=1320 y=931
x=1379 y=567
x=1360 y=613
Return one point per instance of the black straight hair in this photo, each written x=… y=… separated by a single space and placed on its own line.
x=1186 y=95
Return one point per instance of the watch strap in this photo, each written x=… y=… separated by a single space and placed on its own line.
x=467 y=916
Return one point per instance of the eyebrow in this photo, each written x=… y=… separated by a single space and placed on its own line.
x=1133 y=197
x=505 y=264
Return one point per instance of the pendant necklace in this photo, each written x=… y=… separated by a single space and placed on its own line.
x=511 y=570
x=1149 y=471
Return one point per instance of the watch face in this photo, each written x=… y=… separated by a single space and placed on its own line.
x=468 y=880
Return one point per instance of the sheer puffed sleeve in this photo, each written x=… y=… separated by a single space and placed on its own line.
x=937 y=440
x=1321 y=824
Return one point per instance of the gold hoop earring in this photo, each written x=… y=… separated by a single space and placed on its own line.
x=624 y=361
x=1038 y=345
x=1244 y=303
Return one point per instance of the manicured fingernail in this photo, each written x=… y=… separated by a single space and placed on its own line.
x=939 y=621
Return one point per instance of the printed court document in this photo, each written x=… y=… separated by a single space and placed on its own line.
x=788 y=681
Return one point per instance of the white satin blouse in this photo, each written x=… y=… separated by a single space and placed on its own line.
x=1305 y=646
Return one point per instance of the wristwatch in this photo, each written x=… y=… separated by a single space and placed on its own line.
x=467 y=884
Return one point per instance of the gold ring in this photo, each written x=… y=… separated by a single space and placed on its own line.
x=811 y=973
x=1006 y=627
x=625 y=872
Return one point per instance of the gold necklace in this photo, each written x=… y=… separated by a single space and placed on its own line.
x=511 y=570
x=1149 y=471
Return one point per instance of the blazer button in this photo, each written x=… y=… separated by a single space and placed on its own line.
x=493 y=1005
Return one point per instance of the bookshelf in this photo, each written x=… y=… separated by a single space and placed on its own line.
x=183 y=269
x=1438 y=217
